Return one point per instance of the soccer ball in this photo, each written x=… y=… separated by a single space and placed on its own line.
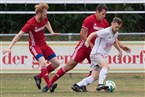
x=111 y=85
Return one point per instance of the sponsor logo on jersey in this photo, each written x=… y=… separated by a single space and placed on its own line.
x=97 y=28
x=39 y=29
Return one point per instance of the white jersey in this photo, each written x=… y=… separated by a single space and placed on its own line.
x=104 y=41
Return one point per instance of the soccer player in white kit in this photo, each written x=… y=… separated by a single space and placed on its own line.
x=103 y=43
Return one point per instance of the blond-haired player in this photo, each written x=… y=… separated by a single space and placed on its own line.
x=37 y=43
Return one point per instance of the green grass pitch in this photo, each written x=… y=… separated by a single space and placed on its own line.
x=23 y=85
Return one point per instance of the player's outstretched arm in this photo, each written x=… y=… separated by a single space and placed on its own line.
x=49 y=28
x=15 y=39
x=123 y=47
x=116 y=45
x=88 y=43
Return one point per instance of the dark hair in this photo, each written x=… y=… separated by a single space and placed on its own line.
x=101 y=6
x=117 y=20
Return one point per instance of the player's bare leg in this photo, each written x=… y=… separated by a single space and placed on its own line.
x=51 y=67
x=71 y=64
x=43 y=73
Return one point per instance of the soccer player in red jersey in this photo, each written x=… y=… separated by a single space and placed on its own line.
x=91 y=24
x=37 y=43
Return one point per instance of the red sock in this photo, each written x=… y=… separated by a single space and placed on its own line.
x=58 y=75
x=46 y=78
x=50 y=68
x=43 y=72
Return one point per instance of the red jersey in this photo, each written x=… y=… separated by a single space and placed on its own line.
x=92 y=25
x=36 y=31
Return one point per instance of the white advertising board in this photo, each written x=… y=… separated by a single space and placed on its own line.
x=21 y=60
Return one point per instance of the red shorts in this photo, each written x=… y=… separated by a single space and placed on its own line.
x=43 y=50
x=81 y=53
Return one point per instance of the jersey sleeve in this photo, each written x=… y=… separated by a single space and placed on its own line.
x=87 y=23
x=26 y=27
x=102 y=33
x=116 y=35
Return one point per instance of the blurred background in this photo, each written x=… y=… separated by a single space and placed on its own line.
x=66 y=16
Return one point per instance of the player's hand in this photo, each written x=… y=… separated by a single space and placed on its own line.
x=126 y=49
x=56 y=34
x=87 y=44
x=7 y=50
x=120 y=55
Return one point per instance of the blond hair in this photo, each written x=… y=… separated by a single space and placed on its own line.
x=40 y=7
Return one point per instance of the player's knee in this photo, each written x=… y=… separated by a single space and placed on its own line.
x=106 y=66
x=43 y=63
x=95 y=76
x=56 y=64
x=68 y=67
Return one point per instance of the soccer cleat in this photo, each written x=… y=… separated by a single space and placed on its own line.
x=53 y=87
x=38 y=81
x=76 y=88
x=84 y=89
x=101 y=86
x=45 y=89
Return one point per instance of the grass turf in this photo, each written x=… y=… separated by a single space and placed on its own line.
x=23 y=85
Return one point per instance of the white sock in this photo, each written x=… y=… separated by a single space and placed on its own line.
x=102 y=75
x=86 y=81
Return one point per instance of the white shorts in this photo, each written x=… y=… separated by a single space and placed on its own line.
x=95 y=59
